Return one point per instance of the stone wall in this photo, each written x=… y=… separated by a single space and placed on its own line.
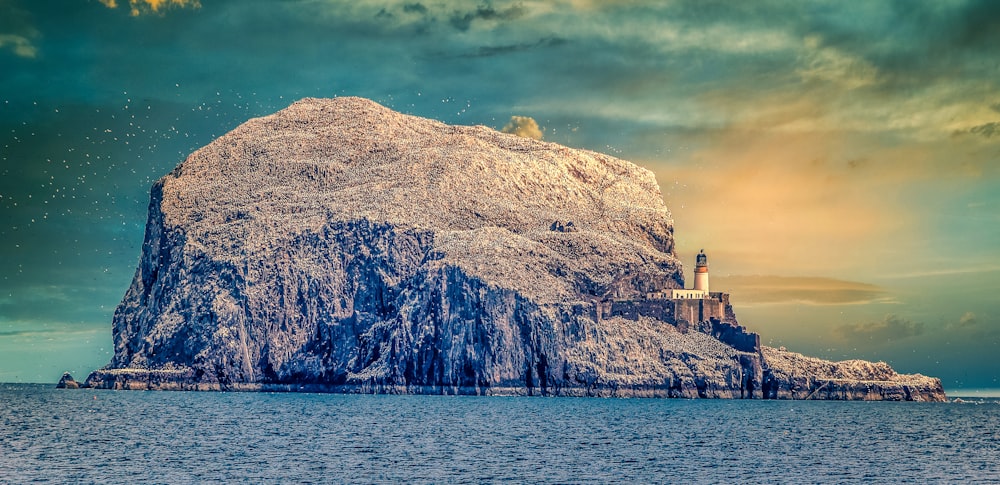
x=713 y=316
x=633 y=309
x=697 y=311
x=734 y=335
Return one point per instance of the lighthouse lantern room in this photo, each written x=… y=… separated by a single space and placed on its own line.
x=701 y=272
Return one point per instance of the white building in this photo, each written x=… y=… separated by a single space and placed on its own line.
x=700 y=290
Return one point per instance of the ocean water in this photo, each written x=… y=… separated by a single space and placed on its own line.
x=91 y=436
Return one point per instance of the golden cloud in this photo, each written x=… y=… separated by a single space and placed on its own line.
x=523 y=126
x=791 y=289
x=780 y=190
x=773 y=203
x=138 y=7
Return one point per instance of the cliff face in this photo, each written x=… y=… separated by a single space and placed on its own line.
x=338 y=245
x=794 y=376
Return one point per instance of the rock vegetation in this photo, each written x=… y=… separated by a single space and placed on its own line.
x=340 y=246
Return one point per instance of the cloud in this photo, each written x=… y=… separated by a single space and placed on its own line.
x=25 y=333
x=832 y=65
x=523 y=126
x=17 y=30
x=892 y=327
x=777 y=200
x=968 y=270
x=968 y=319
x=977 y=326
x=793 y=289
x=18 y=44
x=985 y=130
x=495 y=50
x=414 y=8
x=138 y=7
x=463 y=20
x=870 y=68
x=422 y=17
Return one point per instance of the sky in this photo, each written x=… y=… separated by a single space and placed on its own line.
x=839 y=162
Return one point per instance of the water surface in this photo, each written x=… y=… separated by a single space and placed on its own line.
x=99 y=436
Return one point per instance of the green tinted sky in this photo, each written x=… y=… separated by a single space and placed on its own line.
x=839 y=161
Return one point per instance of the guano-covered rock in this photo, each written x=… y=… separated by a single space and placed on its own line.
x=340 y=246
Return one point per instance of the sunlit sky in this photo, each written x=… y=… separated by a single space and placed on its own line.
x=838 y=161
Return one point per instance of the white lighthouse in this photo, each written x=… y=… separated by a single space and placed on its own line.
x=700 y=290
x=701 y=272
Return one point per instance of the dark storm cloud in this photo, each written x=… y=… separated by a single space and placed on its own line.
x=890 y=328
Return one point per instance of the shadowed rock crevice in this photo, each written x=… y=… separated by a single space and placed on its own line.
x=340 y=246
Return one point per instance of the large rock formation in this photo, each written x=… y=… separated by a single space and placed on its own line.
x=340 y=246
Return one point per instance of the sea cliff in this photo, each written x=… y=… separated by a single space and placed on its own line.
x=340 y=246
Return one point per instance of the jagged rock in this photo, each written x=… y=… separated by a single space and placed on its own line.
x=794 y=376
x=67 y=382
x=340 y=246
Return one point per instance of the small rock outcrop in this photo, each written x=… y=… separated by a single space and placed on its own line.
x=792 y=375
x=67 y=382
x=340 y=246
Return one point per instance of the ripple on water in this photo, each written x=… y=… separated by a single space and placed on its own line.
x=88 y=436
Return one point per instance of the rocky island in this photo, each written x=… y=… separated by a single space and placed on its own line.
x=339 y=246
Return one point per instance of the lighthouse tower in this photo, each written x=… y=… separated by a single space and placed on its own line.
x=701 y=272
